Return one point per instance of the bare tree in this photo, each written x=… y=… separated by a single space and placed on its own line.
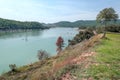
x=42 y=54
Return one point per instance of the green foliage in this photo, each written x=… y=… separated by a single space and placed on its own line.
x=13 y=25
x=82 y=35
x=107 y=14
x=113 y=28
x=100 y=30
x=80 y=23
x=109 y=28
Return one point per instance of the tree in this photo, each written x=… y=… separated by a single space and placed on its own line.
x=42 y=54
x=6 y=24
x=13 y=67
x=81 y=36
x=107 y=15
x=59 y=43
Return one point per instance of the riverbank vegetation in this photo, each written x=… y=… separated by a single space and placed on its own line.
x=81 y=36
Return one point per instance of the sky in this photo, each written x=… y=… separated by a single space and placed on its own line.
x=51 y=11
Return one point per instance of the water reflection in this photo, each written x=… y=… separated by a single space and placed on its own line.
x=22 y=33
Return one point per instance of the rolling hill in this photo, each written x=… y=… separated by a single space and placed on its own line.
x=6 y=24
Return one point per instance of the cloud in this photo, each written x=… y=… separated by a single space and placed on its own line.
x=52 y=11
x=82 y=15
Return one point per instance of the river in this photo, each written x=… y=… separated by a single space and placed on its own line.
x=21 y=47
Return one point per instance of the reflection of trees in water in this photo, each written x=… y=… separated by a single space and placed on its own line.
x=26 y=37
x=25 y=34
x=20 y=33
x=32 y=33
x=35 y=32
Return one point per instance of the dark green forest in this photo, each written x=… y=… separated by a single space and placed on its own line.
x=6 y=24
x=81 y=24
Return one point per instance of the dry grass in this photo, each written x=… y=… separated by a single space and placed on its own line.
x=47 y=69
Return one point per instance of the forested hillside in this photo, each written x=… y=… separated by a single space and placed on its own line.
x=79 y=23
x=6 y=24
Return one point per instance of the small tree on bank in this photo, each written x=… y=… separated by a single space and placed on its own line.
x=105 y=16
x=13 y=67
x=42 y=54
x=59 y=43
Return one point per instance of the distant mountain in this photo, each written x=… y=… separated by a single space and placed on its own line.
x=6 y=24
x=79 y=23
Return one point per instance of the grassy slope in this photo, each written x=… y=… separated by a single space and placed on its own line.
x=104 y=64
x=107 y=65
x=78 y=62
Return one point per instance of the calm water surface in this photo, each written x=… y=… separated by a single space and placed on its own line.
x=21 y=48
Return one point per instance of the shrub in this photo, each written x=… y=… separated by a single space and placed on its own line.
x=42 y=54
x=81 y=36
x=113 y=28
x=59 y=44
x=13 y=67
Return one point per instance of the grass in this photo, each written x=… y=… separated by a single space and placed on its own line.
x=66 y=69
x=107 y=66
x=76 y=70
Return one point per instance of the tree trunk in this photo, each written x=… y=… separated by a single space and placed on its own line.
x=104 y=32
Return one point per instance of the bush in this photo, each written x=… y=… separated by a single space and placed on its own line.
x=113 y=28
x=13 y=67
x=109 y=28
x=81 y=36
x=42 y=54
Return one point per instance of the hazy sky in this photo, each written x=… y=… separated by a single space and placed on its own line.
x=50 y=11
